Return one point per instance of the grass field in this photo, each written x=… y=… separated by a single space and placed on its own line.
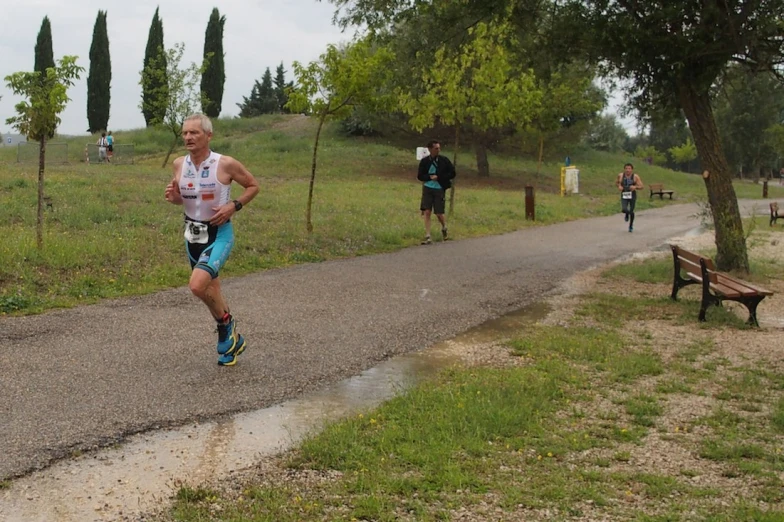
x=111 y=234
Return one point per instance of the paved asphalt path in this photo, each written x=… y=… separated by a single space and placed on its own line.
x=74 y=380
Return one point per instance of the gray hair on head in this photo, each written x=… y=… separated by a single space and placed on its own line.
x=206 y=123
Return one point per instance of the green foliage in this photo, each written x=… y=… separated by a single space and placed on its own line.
x=684 y=153
x=154 y=81
x=746 y=106
x=174 y=91
x=606 y=133
x=44 y=55
x=477 y=82
x=650 y=153
x=38 y=115
x=333 y=85
x=214 y=75
x=340 y=79
x=99 y=78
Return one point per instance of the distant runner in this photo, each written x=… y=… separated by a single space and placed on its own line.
x=628 y=183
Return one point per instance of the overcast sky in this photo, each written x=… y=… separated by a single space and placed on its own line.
x=258 y=34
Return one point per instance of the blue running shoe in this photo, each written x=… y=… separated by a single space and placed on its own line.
x=631 y=229
x=227 y=337
x=231 y=359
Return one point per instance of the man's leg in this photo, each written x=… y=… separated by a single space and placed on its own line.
x=442 y=220
x=230 y=343
x=631 y=215
x=203 y=286
x=427 y=213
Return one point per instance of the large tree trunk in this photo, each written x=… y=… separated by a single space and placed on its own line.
x=730 y=242
x=308 y=222
x=482 y=165
x=39 y=223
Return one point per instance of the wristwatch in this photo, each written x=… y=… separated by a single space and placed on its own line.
x=237 y=205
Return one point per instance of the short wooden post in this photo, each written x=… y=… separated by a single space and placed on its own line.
x=529 y=203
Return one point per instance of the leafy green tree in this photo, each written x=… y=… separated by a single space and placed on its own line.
x=176 y=98
x=155 y=95
x=606 y=133
x=570 y=98
x=99 y=78
x=478 y=85
x=38 y=115
x=332 y=85
x=44 y=54
x=214 y=77
x=667 y=129
x=684 y=154
x=746 y=105
x=651 y=155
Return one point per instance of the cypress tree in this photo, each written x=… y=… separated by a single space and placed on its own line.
x=44 y=56
x=100 y=77
x=154 y=91
x=214 y=77
x=268 y=98
x=280 y=88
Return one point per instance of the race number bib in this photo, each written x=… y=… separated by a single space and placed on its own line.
x=626 y=194
x=196 y=232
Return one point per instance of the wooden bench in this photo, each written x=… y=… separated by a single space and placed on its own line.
x=716 y=286
x=658 y=189
x=774 y=213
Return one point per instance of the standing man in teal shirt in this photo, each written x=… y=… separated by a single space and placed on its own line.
x=436 y=173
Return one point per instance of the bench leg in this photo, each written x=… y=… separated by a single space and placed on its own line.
x=751 y=303
x=677 y=281
x=708 y=298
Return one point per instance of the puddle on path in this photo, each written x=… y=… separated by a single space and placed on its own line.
x=141 y=474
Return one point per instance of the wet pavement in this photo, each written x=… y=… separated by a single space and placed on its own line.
x=139 y=476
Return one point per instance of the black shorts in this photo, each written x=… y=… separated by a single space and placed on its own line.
x=433 y=199
x=111 y=148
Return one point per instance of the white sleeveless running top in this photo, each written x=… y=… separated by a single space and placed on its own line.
x=201 y=189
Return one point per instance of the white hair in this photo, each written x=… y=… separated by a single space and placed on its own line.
x=206 y=123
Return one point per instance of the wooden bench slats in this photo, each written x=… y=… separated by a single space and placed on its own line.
x=726 y=291
x=716 y=286
x=748 y=287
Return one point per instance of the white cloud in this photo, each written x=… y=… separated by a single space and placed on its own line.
x=258 y=34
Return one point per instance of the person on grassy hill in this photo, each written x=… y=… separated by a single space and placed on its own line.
x=436 y=173
x=628 y=183
x=202 y=184
x=102 y=148
x=109 y=146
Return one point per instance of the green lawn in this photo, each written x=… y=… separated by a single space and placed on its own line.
x=111 y=234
